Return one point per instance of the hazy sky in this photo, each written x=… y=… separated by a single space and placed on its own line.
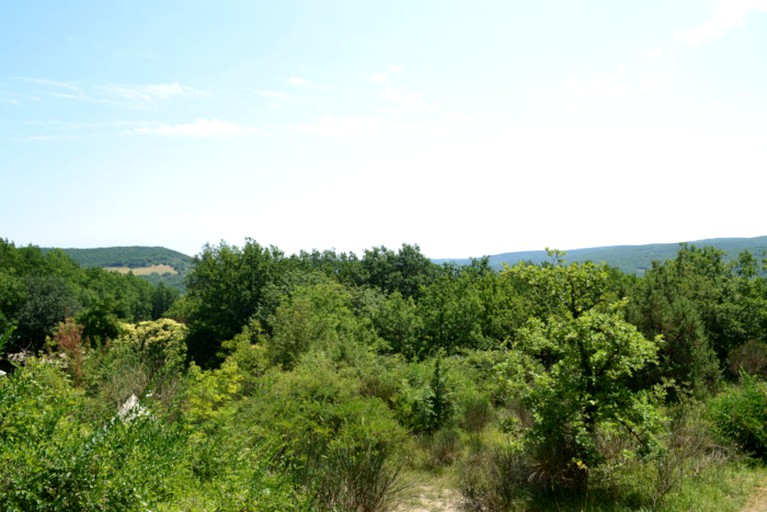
x=468 y=128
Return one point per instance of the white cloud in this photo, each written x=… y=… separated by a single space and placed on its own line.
x=59 y=89
x=652 y=82
x=199 y=128
x=709 y=108
x=355 y=126
x=624 y=82
x=381 y=78
x=272 y=95
x=145 y=94
x=119 y=94
x=410 y=100
x=597 y=87
x=8 y=99
x=654 y=53
x=297 y=81
x=728 y=15
x=345 y=126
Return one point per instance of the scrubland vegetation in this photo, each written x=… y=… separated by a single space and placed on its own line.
x=325 y=381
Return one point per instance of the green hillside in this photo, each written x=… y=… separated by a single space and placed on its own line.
x=136 y=258
x=131 y=257
x=632 y=259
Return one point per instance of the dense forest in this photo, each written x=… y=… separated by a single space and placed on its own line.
x=331 y=381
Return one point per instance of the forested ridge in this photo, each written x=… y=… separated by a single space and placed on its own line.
x=131 y=257
x=329 y=381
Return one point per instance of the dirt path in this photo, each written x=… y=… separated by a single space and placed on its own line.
x=428 y=498
x=758 y=502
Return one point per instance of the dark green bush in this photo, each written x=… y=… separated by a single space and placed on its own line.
x=739 y=415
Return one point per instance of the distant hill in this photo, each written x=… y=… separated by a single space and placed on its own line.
x=155 y=264
x=631 y=259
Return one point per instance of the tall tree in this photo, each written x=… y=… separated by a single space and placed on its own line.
x=224 y=289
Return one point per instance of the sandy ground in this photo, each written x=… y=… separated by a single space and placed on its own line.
x=758 y=502
x=426 y=498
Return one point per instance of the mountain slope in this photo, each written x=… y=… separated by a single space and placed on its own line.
x=150 y=263
x=632 y=259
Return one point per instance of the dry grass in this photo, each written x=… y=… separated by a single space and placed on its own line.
x=144 y=271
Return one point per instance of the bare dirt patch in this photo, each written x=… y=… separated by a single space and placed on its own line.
x=758 y=501
x=430 y=498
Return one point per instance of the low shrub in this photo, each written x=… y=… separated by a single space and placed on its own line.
x=739 y=415
x=340 y=446
x=53 y=459
x=493 y=478
x=750 y=357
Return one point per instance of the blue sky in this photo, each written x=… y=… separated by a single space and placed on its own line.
x=468 y=128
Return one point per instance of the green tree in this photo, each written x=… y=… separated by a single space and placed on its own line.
x=406 y=271
x=396 y=321
x=452 y=310
x=224 y=291
x=49 y=299
x=163 y=298
x=561 y=289
x=318 y=317
x=694 y=302
x=583 y=387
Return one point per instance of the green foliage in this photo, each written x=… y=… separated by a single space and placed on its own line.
x=634 y=259
x=700 y=306
x=338 y=443
x=39 y=289
x=146 y=357
x=318 y=317
x=583 y=388
x=531 y=382
x=396 y=321
x=225 y=289
x=49 y=299
x=424 y=402
x=55 y=461
x=56 y=458
x=99 y=322
x=492 y=477
x=131 y=257
x=163 y=298
x=739 y=415
x=210 y=396
x=559 y=289
x=452 y=310
x=750 y=357
x=406 y=271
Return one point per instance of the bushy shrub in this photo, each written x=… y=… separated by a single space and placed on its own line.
x=493 y=478
x=336 y=442
x=358 y=476
x=476 y=411
x=318 y=318
x=55 y=460
x=146 y=357
x=425 y=401
x=750 y=357
x=739 y=415
x=444 y=447
x=583 y=387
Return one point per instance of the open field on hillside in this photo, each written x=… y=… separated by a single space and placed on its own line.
x=144 y=271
